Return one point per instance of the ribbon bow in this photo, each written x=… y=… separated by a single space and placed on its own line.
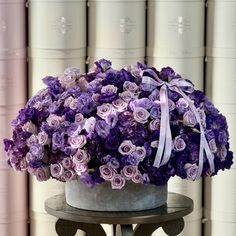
x=164 y=149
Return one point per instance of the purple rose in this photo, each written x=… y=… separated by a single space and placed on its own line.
x=67 y=81
x=77 y=141
x=137 y=178
x=37 y=150
x=179 y=144
x=126 y=148
x=42 y=173
x=58 y=141
x=80 y=168
x=104 y=110
x=68 y=175
x=81 y=156
x=139 y=153
x=113 y=163
x=130 y=86
x=142 y=102
x=120 y=105
x=191 y=171
x=141 y=115
x=43 y=138
x=118 y=182
x=112 y=119
x=129 y=171
x=189 y=119
x=54 y=121
x=155 y=111
x=29 y=127
x=33 y=139
x=109 y=89
x=127 y=96
x=182 y=106
x=67 y=163
x=154 y=125
x=56 y=170
x=107 y=172
x=102 y=128
x=95 y=85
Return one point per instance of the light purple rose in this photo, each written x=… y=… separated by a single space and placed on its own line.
x=37 y=150
x=112 y=119
x=33 y=139
x=67 y=81
x=23 y=164
x=127 y=96
x=222 y=152
x=38 y=105
x=79 y=118
x=80 y=168
x=68 y=101
x=29 y=157
x=43 y=138
x=212 y=145
x=129 y=171
x=72 y=71
x=141 y=115
x=95 y=97
x=130 y=86
x=120 y=105
x=154 y=125
x=191 y=171
x=83 y=84
x=137 y=178
x=42 y=173
x=68 y=175
x=126 y=148
x=110 y=88
x=67 y=163
x=140 y=153
x=89 y=124
x=102 y=128
x=104 y=110
x=189 y=119
x=54 y=120
x=107 y=172
x=81 y=156
x=179 y=144
x=58 y=140
x=29 y=127
x=182 y=106
x=73 y=104
x=56 y=170
x=78 y=141
x=118 y=182
x=171 y=105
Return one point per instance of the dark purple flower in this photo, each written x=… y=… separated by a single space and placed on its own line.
x=58 y=141
x=103 y=64
x=8 y=144
x=35 y=164
x=102 y=128
x=87 y=180
x=107 y=97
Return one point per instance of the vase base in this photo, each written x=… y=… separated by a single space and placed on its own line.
x=132 y=197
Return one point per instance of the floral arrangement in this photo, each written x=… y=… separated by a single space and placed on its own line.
x=134 y=124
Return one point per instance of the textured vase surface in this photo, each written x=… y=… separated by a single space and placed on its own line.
x=132 y=197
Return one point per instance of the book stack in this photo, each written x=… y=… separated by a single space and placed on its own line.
x=116 y=31
x=220 y=201
x=13 y=186
x=57 y=39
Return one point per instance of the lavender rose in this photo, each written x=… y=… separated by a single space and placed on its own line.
x=78 y=141
x=79 y=118
x=104 y=110
x=68 y=101
x=56 y=170
x=126 y=147
x=118 y=182
x=43 y=138
x=81 y=156
x=42 y=173
x=154 y=125
x=137 y=178
x=189 y=119
x=191 y=171
x=130 y=86
x=54 y=121
x=127 y=96
x=67 y=163
x=110 y=88
x=139 y=153
x=29 y=127
x=129 y=171
x=68 y=175
x=102 y=128
x=141 y=115
x=179 y=144
x=182 y=106
x=80 y=168
x=67 y=81
x=107 y=172
x=120 y=105
x=89 y=125
x=33 y=139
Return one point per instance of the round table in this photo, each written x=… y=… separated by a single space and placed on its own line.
x=169 y=217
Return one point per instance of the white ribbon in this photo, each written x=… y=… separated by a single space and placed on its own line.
x=164 y=150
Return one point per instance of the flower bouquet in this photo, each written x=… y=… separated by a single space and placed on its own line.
x=119 y=128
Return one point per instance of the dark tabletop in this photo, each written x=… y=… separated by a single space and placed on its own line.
x=177 y=206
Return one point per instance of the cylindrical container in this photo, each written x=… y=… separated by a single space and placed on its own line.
x=220 y=201
x=117 y=63
x=41 y=222
x=221 y=28
x=219 y=228
x=175 y=28
x=218 y=68
x=57 y=24
x=193 y=190
x=189 y=68
x=52 y=62
x=13 y=197
x=117 y=24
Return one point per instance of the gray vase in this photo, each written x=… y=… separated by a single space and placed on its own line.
x=132 y=197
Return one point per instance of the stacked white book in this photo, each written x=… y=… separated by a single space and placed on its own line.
x=220 y=201
x=176 y=38
x=13 y=186
x=57 y=39
x=116 y=31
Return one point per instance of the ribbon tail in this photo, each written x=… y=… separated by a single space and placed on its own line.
x=162 y=137
x=168 y=137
